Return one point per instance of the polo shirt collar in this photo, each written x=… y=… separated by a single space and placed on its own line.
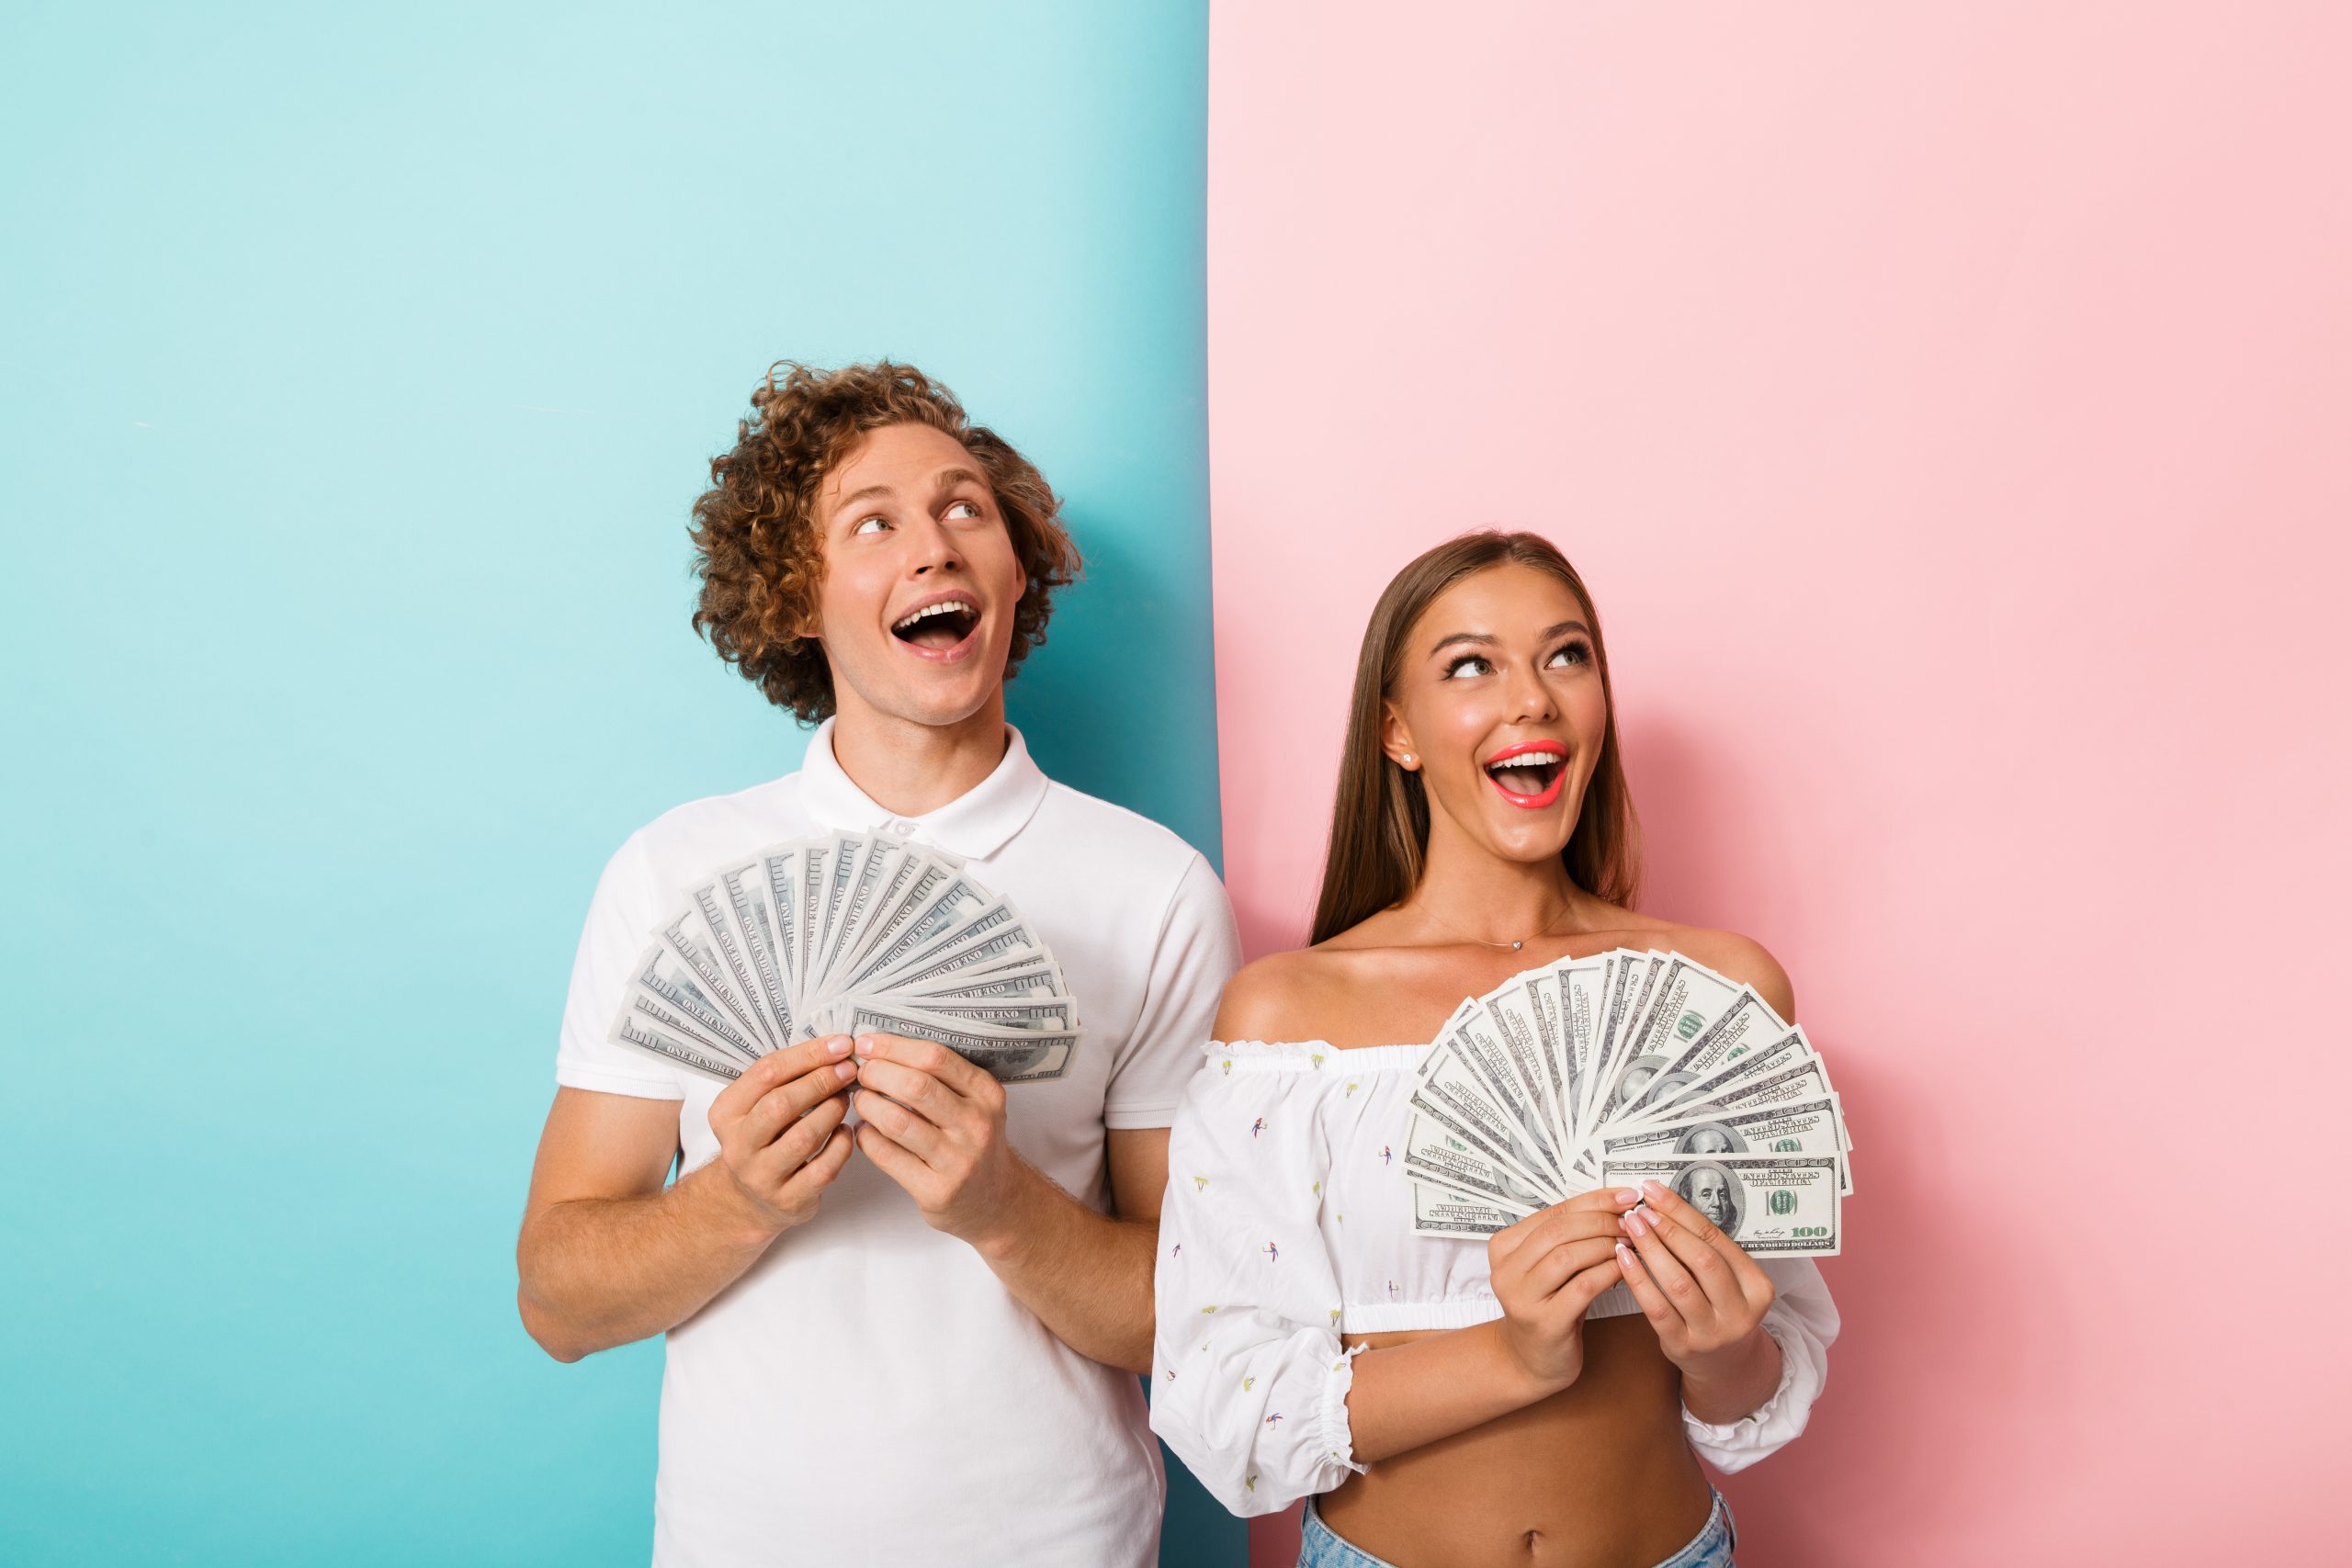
x=974 y=825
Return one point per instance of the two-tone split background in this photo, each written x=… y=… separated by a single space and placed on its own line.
x=1948 y=403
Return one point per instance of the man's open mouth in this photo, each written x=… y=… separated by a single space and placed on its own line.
x=938 y=627
x=1529 y=774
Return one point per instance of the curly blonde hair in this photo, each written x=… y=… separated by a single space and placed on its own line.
x=760 y=553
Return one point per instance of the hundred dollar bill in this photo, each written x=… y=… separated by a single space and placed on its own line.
x=1010 y=1055
x=1435 y=1155
x=857 y=877
x=648 y=1011
x=1511 y=1012
x=1002 y=948
x=1581 y=1002
x=629 y=1031
x=745 y=887
x=1509 y=1078
x=1646 y=973
x=909 y=890
x=1013 y=1017
x=1688 y=1001
x=1618 y=981
x=1738 y=1066
x=664 y=976
x=1025 y=977
x=1747 y=1022
x=689 y=936
x=782 y=871
x=957 y=913
x=1540 y=994
x=1455 y=1093
x=1801 y=1127
x=734 y=952
x=1771 y=1205
x=1440 y=1213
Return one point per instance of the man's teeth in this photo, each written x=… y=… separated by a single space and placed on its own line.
x=939 y=609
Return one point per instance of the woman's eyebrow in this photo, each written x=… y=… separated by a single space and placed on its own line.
x=1484 y=639
x=1475 y=639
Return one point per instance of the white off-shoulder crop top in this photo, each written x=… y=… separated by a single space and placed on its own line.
x=1288 y=1223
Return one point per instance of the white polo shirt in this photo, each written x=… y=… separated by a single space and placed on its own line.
x=868 y=1393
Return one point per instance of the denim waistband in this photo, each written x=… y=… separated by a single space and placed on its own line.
x=1319 y=1547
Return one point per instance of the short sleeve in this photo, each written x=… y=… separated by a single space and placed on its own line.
x=1197 y=953
x=1249 y=1384
x=621 y=918
x=1803 y=1321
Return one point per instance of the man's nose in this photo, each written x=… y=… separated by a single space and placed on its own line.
x=932 y=550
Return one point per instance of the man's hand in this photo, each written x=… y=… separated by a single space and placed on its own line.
x=778 y=1129
x=934 y=1123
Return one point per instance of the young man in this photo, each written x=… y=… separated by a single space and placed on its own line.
x=917 y=1344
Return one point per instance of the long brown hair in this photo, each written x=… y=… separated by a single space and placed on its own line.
x=1380 y=823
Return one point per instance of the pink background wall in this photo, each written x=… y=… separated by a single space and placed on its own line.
x=1949 y=405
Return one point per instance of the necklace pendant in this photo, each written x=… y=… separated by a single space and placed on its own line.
x=1517 y=945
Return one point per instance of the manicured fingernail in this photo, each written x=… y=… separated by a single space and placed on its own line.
x=1629 y=1197
x=1653 y=1188
x=845 y=1071
x=1624 y=1257
x=1633 y=1226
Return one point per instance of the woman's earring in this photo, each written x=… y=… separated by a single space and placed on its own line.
x=1408 y=759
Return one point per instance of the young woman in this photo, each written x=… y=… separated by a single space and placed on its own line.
x=1536 y=1398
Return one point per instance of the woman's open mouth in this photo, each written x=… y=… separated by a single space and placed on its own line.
x=1529 y=774
x=938 y=629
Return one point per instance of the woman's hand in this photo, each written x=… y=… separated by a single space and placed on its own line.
x=1706 y=1298
x=1547 y=1269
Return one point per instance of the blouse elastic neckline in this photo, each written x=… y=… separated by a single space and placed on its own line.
x=1308 y=1055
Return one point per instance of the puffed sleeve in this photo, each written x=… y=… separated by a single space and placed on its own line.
x=1803 y=1321
x=1249 y=1384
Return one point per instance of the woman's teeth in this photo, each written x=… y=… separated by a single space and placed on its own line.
x=1529 y=772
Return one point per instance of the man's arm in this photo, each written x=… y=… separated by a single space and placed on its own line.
x=940 y=1134
x=608 y=1255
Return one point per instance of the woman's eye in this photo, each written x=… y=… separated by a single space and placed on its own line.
x=871 y=525
x=1469 y=664
x=964 y=509
x=1574 y=653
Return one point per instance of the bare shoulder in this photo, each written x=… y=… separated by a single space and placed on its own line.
x=1284 y=996
x=1742 y=958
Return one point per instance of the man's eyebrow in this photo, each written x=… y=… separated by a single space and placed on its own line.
x=854 y=497
x=948 y=478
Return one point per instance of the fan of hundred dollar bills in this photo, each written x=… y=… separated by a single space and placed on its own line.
x=852 y=933
x=1618 y=1069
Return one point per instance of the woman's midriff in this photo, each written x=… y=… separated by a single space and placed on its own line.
x=1599 y=1475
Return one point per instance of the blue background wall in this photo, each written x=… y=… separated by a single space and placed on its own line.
x=361 y=364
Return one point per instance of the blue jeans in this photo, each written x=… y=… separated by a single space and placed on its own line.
x=1710 y=1548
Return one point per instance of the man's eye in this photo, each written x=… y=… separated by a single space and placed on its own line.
x=871 y=525
x=1469 y=664
x=964 y=509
